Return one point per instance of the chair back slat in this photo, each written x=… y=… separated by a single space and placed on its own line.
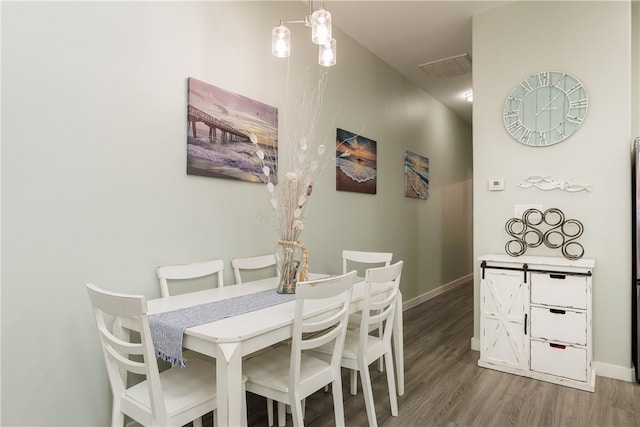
x=354 y=259
x=193 y=270
x=381 y=293
x=258 y=262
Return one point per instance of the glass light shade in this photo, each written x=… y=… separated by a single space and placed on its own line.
x=327 y=54
x=281 y=41
x=321 y=26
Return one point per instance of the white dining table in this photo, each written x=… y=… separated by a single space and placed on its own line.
x=229 y=339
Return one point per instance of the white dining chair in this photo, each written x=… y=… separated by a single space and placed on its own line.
x=362 y=260
x=359 y=259
x=289 y=374
x=361 y=348
x=194 y=270
x=264 y=263
x=261 y=264
x=173 y=397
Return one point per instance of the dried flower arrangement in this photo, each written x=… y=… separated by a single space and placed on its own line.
x=302 y=163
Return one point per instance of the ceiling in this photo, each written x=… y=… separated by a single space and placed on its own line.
x=407 y=34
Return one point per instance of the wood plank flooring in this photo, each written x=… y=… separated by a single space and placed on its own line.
x=445 y=387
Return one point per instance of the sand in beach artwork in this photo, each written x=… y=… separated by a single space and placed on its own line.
x=356 y=163
x=219 y=125
x=416 y=176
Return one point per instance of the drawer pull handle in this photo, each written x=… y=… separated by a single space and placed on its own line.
x=558 y=346
x=557 y=311
x=558 y=276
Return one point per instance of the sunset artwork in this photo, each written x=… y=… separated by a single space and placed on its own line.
x=356 y=163
x=219 y=126
x=416 y=176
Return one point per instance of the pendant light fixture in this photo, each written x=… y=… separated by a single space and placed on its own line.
x=281 y=41
x=320 y=23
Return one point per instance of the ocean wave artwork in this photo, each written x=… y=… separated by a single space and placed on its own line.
x=356 y=163
x=359 y=170
x=416 y=176
x=219 y=125
x=233 y=161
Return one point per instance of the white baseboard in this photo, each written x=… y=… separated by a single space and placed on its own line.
x=468 y=279
x=614 y=371
x=475 y=344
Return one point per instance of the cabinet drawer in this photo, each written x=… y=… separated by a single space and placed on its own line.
x=559 y=325
x=559 y=289
x=563 y=361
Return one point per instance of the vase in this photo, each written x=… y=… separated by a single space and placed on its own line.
x=291 y=262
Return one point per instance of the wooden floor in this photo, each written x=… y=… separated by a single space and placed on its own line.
x=445 y=387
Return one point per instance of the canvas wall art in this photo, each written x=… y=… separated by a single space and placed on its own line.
x=356 y=163
x=219 y=125
x=416 y=176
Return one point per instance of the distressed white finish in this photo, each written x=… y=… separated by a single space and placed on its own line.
x=504 y=304
x=535 y=320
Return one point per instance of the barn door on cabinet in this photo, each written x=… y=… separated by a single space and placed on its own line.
x=504 y=299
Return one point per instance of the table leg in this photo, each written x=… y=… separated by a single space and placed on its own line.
x=229 y=383
x=398 y=342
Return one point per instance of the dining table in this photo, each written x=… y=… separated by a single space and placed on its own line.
x=230 y=339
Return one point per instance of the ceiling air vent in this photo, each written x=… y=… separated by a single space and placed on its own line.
x=448 y=67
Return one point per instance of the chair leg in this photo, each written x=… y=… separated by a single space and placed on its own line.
x=296 y=413
x=391 y=382
x=270 y=411
x=338 y=404
x=367 y=391
x=244 y=422
x=353 y=380
x=117 y=417
x=380 y=361
x=282 y=414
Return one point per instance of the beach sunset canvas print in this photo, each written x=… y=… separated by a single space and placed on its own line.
x=356 y=163
x=220 y=123
x=416 y=176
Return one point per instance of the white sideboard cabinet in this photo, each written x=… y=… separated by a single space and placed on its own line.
x=535 y=318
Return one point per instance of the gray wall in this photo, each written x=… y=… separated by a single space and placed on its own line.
x=591 y=40
x=94 y=187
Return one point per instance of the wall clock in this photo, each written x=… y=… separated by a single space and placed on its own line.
x=545 y=108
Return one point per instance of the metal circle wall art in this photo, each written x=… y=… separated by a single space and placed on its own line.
x=527 y=233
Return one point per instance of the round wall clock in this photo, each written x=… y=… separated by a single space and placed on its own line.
x=545 y=108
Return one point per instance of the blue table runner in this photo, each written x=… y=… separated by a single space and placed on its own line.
x=167 y=329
